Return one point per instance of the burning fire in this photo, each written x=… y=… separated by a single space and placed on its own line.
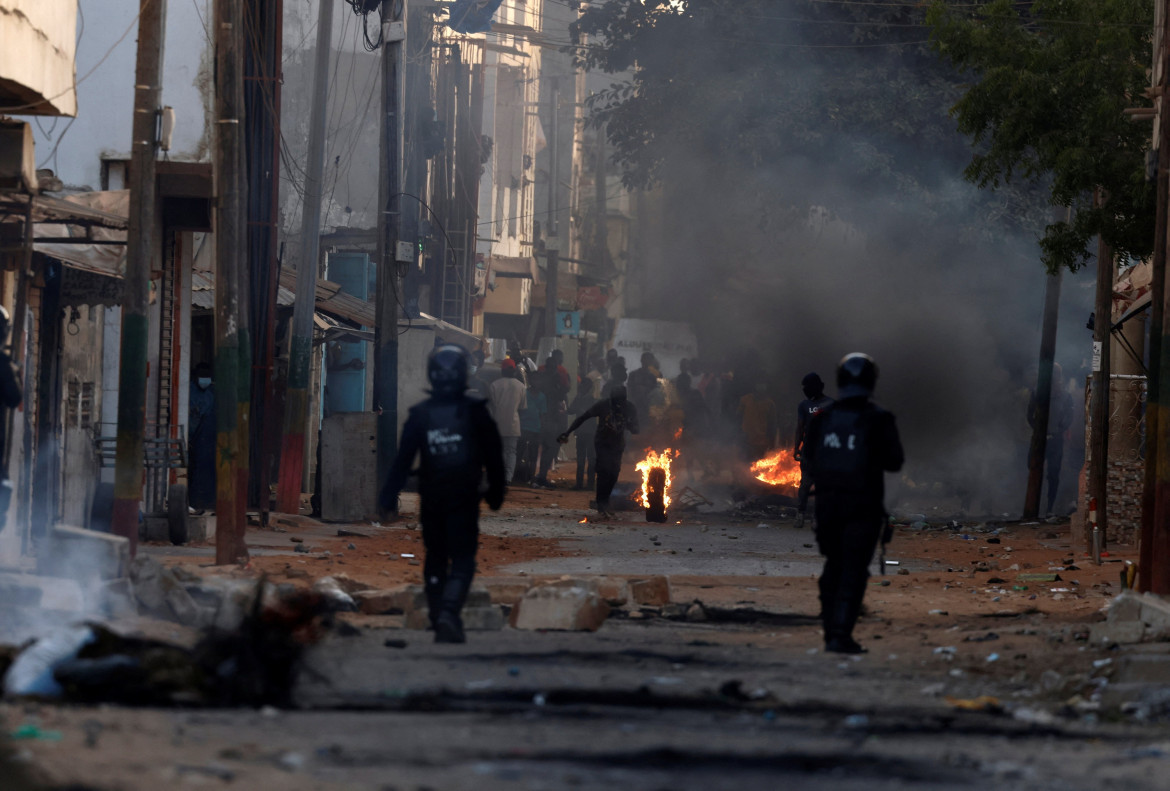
x=778 y=469
x=678 y=434
x=652 y=461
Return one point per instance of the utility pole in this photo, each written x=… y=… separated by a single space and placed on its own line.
x=1043 y=397
x=1154 y=541
x=601 y=199
x=1099 y=427
x=551 y=286
x=229 y=235
x=389 y=218
x=552 y=279
x=140 y=249
x=296 y=410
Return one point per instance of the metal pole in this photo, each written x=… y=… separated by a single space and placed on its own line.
x=550 y=293
x=1037 y=451
x=1099 y=429
x=140 y=250
x=553 y=221
x=230 y=223
x=389 y=217
x=296 y=410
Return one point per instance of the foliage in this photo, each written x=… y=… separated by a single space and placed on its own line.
x=1053 y=78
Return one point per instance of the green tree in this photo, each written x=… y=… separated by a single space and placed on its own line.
x=1051 y=81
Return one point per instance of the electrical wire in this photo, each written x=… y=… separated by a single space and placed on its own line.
x=88 y=74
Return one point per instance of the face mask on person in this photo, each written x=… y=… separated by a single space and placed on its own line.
x=204 y=382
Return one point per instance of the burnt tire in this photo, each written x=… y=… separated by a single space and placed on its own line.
x=177 y=529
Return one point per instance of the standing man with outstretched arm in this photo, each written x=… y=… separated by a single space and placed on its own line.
x=615 y=416
x=849 y=447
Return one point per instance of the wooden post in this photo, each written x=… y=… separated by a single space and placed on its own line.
x=140 y=250
x=229 y=236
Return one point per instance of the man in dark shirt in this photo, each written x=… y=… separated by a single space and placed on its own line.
x=815 y=401
x=457 y=439
x=615 y=416
x=10 y=398
x=849 y=447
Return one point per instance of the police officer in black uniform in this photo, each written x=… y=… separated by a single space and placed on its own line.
x=615 y=416
x=815 y=401
x=849 y=446
x=457 y=440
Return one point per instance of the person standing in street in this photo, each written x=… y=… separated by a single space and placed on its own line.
x=457 y=440
x=506 y=398
x=849 y=447
x=815 y=401
x=615 y=416
x=586 y=451
x=531 y=421
x=201 y=430
x=10 y=398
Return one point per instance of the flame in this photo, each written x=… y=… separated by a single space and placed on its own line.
x=778 y=469
x=582 y=521
x=678 y=434
x=652 y=461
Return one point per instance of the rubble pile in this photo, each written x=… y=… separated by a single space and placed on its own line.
x=1133 y=618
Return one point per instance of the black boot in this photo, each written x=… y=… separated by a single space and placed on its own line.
x=449 y=626
x=434 y=593
x=839 y=629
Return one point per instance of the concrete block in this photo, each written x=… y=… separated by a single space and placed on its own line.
x=506 y=590
x=654 y=591
x=1156 y=616
x=1120 y=632
x=161 y=594
x=79 y=554
x=1148 y=669
x=568 y=605
x=1126 y=607
x=483 y=618
x=382 y=602
x=349 y=584
x=614 y=591
x=418 y=619
x=118 y=598
x=478 y=596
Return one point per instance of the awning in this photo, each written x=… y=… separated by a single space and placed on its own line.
x=203 y=292
x=332 y=300
x=85 y=231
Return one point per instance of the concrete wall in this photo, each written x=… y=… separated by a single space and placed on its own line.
x=36 y=59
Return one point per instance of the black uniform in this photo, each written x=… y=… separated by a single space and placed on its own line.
x=10 y=397
x=806 y=410
x=457 y=439
x=614 y=418
x=848 y=447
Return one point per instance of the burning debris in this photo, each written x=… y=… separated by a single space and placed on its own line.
x=655 y=492
x=778 y=469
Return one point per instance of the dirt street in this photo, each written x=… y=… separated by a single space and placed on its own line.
x=979 y=671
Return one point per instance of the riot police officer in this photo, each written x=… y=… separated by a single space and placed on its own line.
x=849 y=446
x=457 y=439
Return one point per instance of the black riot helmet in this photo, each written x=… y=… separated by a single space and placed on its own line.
x=857 y=374
x=447 y=370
